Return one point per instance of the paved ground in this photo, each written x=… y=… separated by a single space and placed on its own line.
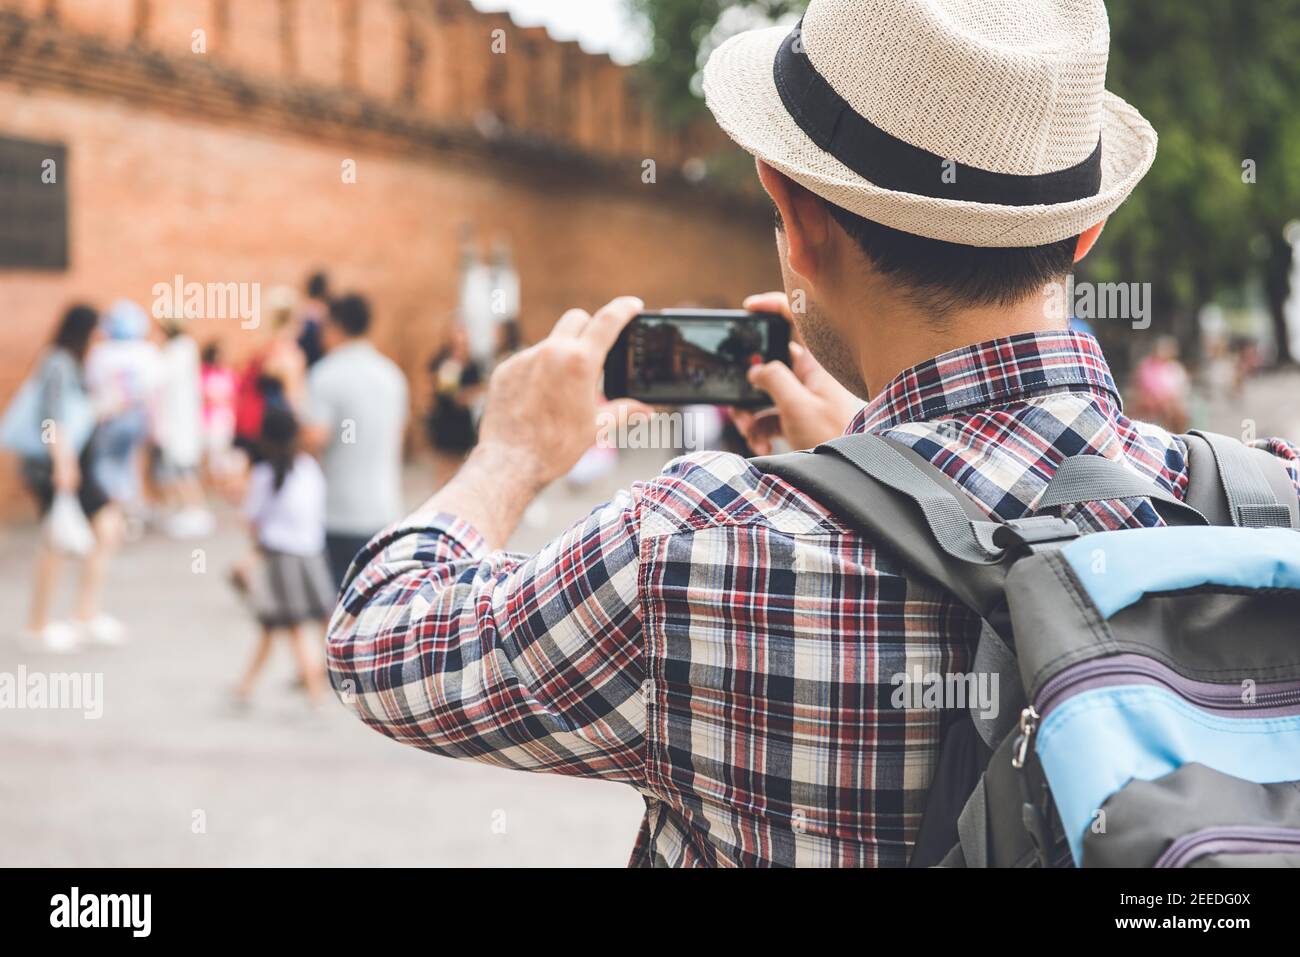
x=1269 y=406
x=274 y=786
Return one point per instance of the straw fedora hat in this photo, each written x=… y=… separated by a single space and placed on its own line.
x=981 y=122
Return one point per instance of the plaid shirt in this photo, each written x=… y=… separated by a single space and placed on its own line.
x=718 y=640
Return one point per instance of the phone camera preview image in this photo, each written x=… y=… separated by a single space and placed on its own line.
x=701 y=360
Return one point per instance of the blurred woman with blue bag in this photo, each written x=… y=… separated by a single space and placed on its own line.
x=49 y=425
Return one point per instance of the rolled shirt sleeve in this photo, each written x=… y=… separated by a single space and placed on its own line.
x=1287 y=452
x=534 y=663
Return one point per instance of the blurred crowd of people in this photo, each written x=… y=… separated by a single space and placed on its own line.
x=1163 y=390
x=126 y=426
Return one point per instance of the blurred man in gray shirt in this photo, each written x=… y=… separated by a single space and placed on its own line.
x=356 y=410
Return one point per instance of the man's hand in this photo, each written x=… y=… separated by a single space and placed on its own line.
x=539 y=419
x=811 y=407
x=541 y=402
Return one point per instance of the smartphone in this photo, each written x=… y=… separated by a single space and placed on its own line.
x=689 y=356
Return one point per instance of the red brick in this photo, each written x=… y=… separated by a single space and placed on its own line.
x=318 y=32
x=382 y=50
x=252 y=40
x=172 y=23
x=114 y=19
x=30 y=8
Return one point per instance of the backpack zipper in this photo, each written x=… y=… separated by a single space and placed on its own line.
x=1028 y=725
x=1229 y=839
x=1283 y=697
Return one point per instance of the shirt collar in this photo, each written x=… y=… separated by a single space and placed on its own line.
x=996 y=372
x=355 y=344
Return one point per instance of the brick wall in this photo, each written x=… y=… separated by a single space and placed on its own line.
x=208 y=167
x=366 y=45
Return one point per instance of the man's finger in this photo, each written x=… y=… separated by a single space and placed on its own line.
x=778 y=381
x=777 y=302
x=744 y=421
x=571 y=324
x=625 y=409
x=617 y=415
x=757 y=428
x=803 y=363
x=605 y=326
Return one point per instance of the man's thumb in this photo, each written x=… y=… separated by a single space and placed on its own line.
x=777 y=380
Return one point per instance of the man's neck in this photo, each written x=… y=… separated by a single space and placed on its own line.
x=899 y=335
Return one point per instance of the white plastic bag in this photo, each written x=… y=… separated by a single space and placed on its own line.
x=66 y=527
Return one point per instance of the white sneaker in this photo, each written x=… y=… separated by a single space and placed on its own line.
x=103 y=630
x=56 y=638
x=202 y=522
x=191 y=523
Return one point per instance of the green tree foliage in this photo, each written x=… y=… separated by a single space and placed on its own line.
x=1220 y=82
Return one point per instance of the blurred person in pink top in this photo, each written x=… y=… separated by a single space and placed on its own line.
x=218 y=384
x=1161 y=385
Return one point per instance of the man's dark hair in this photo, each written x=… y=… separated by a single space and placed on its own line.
x=318 y=286
x=75 y=330
x=352 y=314
x=941 y=276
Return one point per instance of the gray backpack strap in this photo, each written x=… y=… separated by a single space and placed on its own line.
x=992 y=829
x=1255 y=485
x=954 y=521
x=993 y=656
x=1092 y=478
x=973 y=828
x=935 y=530
x=1204 y=490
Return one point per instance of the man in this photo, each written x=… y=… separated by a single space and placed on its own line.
x=357 y=408
x=714 y=637
x=312 y=315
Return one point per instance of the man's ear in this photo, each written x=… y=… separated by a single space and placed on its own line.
x=1087 y=239
x=807 y=222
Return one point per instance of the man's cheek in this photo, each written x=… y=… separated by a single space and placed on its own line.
x=834 y=351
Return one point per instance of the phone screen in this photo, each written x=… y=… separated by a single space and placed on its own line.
x=697 y=358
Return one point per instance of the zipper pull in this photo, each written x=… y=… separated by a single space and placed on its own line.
x=1030 y=814
x=1028 y=725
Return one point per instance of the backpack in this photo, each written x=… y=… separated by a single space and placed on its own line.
x=1147 y=706
x=22 y=428
x=250 y=401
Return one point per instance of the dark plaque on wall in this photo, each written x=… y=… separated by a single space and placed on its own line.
x=33 y=205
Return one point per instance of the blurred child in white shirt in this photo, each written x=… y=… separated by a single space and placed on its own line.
x=285 y=506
